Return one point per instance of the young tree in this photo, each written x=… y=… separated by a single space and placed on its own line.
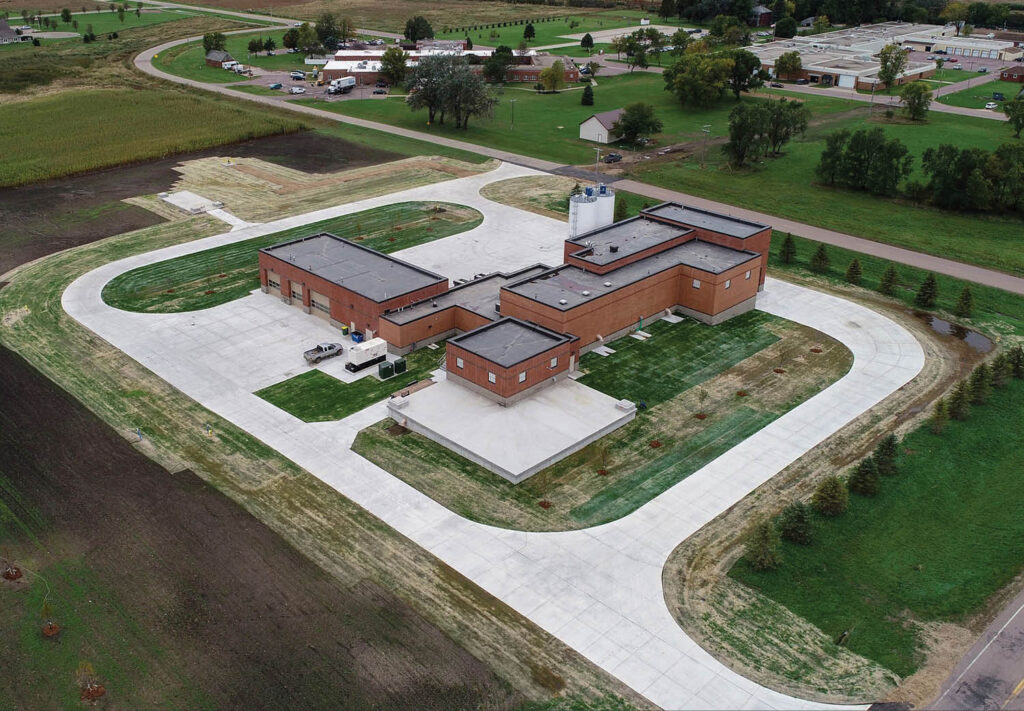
x=588 y=96
x=762 y=546
x=820 y=260
x=120 y=15
x=587 y=43
x=916 y=97
x=830 y=164
x=831 y=497
x=394 y=65
x=795 y=523
x=885 y=455
x=892 y=60
x=255 y=45
x=1014 y=110
x=821 y=24
x=955 y=13
x=785 y=120
x=965 y=304
x=940 y=416
x=594 y=68
x=553 y=77
x=529 y=32
x=65 y=16
x=887 y=285
x=788 y=64
x=981 y=384
x=928 y=293
x=960 y=401
x=748 y=128
x=788 y=253
x=1002 y=370
x=853 y=272
x=417 y=28
x=1017 y=362
x=290 y=39
x=785 y=28
x=469 y=42
x=637 y=120
x=620 y=209
x=269 y=45
x=214 y=40
x=864 y=478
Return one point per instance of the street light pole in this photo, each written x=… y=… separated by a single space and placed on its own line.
x=706 y=129
x=597 y=164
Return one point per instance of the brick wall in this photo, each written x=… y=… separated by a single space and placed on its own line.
x=538 y=369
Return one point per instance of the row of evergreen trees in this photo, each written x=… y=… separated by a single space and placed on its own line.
x=977 y=388
x=926 y=296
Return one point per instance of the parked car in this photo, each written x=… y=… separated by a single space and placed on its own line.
x=983 y=70
x=382 y=85
x=952 y=60
x=803 y=82
x=612 y=158
x=931 y=57
x=297 y=90
x=776 y=85
x=380 y=91
x=998 y=96
x=321 y=352
x=958 y=67
x=297 y=75
x=991 y=105
x=275 y=85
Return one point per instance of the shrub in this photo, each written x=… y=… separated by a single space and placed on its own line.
x=960 y=401
x=1002 y=370
x=588 y=96
x=887 y=285
x=762 y=546
x=965 y=304
x=928 y=293
x=885 y=455
x=788 y=254
x=795 y=523
x=864 y=478
x=853 y=272
x=940 y=416
x=1017 y=361
x=820 y=260
x=831 y=497
x=981 y=384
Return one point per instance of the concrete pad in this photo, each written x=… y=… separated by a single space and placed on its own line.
x=556 y=421
x=189 y=202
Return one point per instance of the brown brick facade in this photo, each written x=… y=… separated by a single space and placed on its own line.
x=507 y=383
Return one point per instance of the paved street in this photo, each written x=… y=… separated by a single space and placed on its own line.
x=599 y=590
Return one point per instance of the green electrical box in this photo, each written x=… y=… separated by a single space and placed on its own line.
x=400 y=366
x=385 y=370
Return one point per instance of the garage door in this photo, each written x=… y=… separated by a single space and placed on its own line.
x=273 y=283
x=847 y=81
x=321 y=305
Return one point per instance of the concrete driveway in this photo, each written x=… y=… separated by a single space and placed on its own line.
x=599 y=590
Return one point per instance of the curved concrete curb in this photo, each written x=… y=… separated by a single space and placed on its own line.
x=599 y=590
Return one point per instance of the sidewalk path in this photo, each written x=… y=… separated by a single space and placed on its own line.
x=600 y=589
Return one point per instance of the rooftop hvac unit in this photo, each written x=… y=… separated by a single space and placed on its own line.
x=585 y=293
x=607 y=283
x=613 y=248
x=563 y=302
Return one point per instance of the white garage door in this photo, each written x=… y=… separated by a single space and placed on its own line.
x=847 y=81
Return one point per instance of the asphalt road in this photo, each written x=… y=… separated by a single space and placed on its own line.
x=991 y=676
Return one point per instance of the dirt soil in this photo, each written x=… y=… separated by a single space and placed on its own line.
x=765 y=641
x=38 y=219
x=230 y=607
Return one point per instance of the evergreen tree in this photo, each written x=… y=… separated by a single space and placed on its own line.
x=529 y=33
x=928 y=293
x=762 y=546
x=588 y=96
x=981 y=384
x=885 y=455
x=1002 y=370
x=853 y=272
x=864 y=478
x=1017 y=361
x=820 y=261
x=620 y=209
x=831 y=497
x=795 y=523
x=788 y=254
x=965 y=304
x=960 y=401
x=940 y=416
x=887 y=285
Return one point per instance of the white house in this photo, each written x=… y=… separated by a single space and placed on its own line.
x=598 y=128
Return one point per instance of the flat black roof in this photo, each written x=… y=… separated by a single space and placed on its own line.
x=574 y=286
x=509 y=341
x=479 y=296
x=705 y=219
x=364 y=271
x=627 y=237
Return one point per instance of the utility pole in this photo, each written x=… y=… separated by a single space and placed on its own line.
x=706 y=130
x=597 y=165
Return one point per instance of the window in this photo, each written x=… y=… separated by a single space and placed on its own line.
x=522 y=377
x=747 y=275
x=696 y=283
x=297 y=293
x=273 y=284
x=554 y=362
x=491 y=378
x=728 y=283
x=321 y=307
x=459 y=363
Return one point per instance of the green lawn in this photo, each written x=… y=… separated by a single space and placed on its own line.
x=785 y=187
x=258 y=90
x=46 y=137
x=977 y=96
x=940 y=539
x=580 y=53
x=216 y=276
x=315 y=396
x=548 y=31
x=106 y=22
x=547 y=125
x=397 y=144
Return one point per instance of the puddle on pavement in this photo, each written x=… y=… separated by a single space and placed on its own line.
x=978 y=342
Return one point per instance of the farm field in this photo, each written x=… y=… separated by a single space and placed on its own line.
x=934 y=545
x=547 y=125
x=222 y=274
x=976 y=97
x=316 y=396
x=157 y=579
x=668 y=372
x=52 y=140
x=785 y=186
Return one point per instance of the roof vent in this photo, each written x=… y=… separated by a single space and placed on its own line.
x=434 y=304
x=614 y=248
x=586 y=293
x=607 y=283
x=563 y=302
